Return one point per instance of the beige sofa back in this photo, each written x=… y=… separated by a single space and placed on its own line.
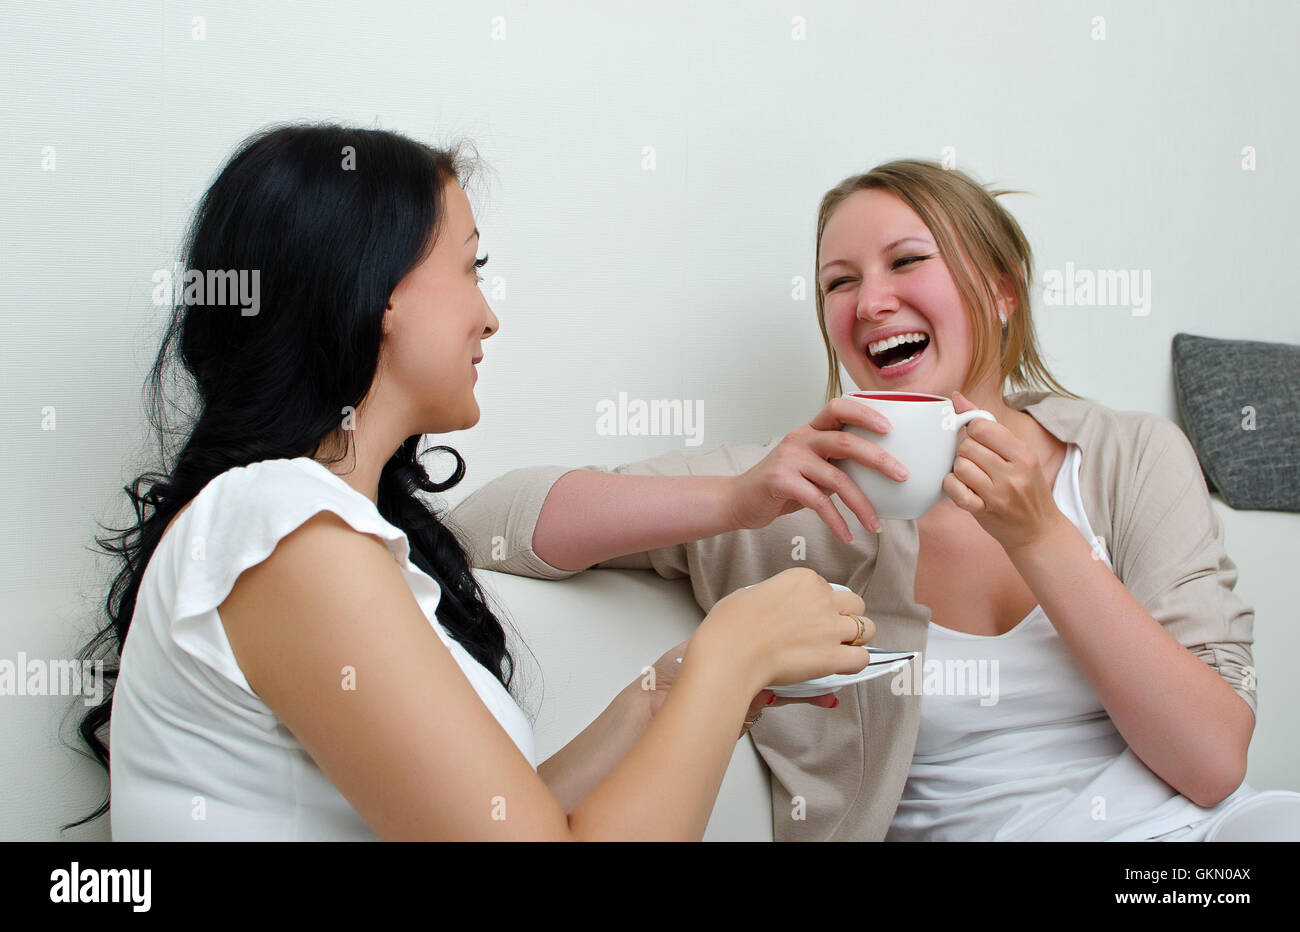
x=591 y=635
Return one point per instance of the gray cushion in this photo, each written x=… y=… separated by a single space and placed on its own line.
x=1239 y=401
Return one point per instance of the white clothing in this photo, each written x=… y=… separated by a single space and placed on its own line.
x=194 y=753
x=1015 y=745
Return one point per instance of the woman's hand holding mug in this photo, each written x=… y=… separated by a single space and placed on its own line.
x=999 y=480
x=799 y=474
x=927 y=429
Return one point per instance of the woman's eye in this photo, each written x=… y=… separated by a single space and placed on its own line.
x=898 y=263
x=478 y=264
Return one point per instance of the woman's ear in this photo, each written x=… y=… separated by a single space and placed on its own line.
x=1008 y=296
x=386 y=322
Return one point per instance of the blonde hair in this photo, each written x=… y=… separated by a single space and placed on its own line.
x=965 y=220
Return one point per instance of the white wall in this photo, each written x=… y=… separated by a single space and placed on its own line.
x=673 y=283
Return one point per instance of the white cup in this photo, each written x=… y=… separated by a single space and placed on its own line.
x=922 y=436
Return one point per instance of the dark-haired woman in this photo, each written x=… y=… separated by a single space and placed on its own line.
x=305 y=653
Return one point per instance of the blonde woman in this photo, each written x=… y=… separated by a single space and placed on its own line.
x=1076 y=555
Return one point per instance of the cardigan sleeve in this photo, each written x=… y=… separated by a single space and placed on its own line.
x=1168 y=551
x=496 y=523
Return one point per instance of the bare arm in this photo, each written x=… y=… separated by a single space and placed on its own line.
x=1176 y=713
x=572 y=771
x=412 y=746
x=555 y=521
x=590 y=516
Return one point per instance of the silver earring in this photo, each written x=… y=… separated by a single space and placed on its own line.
x=1002 y=316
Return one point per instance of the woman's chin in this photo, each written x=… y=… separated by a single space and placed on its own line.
x=447 y=422
x=918 y=383
x=468 y=421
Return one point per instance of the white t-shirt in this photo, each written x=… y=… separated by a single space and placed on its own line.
x=194 y=753
x=1015 y=745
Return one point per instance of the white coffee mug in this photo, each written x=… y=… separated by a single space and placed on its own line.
x=922 y=436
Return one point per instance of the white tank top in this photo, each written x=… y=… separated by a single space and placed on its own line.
x=1017 y=746
x=194 y=753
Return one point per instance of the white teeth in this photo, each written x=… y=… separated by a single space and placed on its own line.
x=881 y=345
x=899 y=362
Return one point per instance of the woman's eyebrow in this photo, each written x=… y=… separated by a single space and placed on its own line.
x=897 y=242
x=907 y=239
x=472 y=235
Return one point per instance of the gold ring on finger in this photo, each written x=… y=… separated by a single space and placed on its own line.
x=862 y=629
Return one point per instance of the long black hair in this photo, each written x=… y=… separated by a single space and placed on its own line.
x=332 y=218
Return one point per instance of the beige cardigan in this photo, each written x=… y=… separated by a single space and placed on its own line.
x=839 y=777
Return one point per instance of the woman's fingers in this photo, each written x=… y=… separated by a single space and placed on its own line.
x=961 y=404
x=829 y=478
x=961 y=494
x=841 y=411
x=849 y=607
x=827 y=701
x=849 y=602
x=858 y=633
x=997 y=438
x=811 y=496
x=973 y=477
x=799 y=474
x=986 y=459
x=842 y=445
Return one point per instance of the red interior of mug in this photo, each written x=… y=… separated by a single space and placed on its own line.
x=898 y=396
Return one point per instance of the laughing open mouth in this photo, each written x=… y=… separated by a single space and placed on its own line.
x=896 y=350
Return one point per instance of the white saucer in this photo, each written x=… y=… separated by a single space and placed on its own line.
x=881 y=663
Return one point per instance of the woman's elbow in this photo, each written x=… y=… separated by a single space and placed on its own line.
x=1220 y=786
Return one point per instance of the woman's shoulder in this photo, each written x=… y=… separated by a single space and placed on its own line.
x=236 y=522
x=273 y=480
x=268 y=488
x=1090 y=425
x=241 y=515
x=1137 y=467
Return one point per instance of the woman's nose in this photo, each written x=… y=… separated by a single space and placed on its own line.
x=875 y=300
